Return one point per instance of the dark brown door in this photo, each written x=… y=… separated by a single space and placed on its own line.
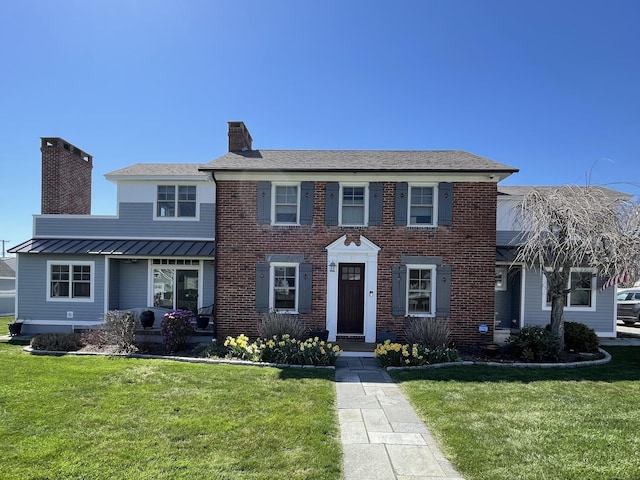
x=351 y=298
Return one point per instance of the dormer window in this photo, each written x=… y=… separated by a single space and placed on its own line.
x=176 y=201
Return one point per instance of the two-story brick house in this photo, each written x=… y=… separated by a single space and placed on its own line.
x=355 y=241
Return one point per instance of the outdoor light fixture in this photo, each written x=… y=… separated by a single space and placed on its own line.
x=332 y=266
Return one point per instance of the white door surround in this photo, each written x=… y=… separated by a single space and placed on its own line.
x=353 y=248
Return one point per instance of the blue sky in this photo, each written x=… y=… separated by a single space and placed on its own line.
x=549 y=87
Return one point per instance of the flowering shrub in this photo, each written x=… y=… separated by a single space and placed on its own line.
x=284 y=349
x=241 y=348
x=398 y=355
x=176 y=328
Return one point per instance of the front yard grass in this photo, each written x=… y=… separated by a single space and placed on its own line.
x=101 y=418
x=4 y=325
x=507 y=423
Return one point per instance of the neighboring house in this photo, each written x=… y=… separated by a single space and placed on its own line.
x=521 y=296
x=7 y=286
x=355 y=241
x=157 y=251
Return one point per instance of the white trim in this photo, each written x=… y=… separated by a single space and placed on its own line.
x=432 y=302
x=434 y=205
x=365 y=176
x=71 y=264
x=274 y=186
x=365 y=187
x=568 y=307
x=366 y=253
x=272 y=266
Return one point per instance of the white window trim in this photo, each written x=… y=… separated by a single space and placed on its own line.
x=502 y=271
x=575 y=308
x=273 y=203
x=272 y=299
x=70 y=264
x=176 y=218
x=432 y=313
x=434 y=218
x=366 y=204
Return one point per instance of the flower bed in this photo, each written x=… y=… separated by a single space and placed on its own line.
x=391 y=354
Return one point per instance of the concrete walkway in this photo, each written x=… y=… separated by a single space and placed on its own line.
x=382 y=436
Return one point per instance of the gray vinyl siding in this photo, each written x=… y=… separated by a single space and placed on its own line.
x=114 y=279
x=135 y=220
x=506 y=237
x=208 y=283
x=600 y=320
x=32 y=285
x=133 y=285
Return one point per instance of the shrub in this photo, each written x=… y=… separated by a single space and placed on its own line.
x=241 y=348
x=121 y=328
x=404 y=355
x=176 y=329
x=211 y=350
x=291 y=351
x=284 y=349
x=97 y=337
x=580 y=338
x=430 y=332
x=533 y=344
x=57 y=342
x=279 y=324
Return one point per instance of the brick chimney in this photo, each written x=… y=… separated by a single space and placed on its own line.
x=66 y=178
x=239 y=137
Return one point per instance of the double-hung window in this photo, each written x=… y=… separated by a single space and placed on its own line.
x=582 y=286
x=176 y=201
x=284 y=283
x=286 y=204
x=353 y=211
x=421 y=290
x=422 y=205
x=70 y=281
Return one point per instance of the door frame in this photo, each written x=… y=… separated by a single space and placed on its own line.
x=346 y=250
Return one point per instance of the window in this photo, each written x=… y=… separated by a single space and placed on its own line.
x=353 y=211
x=284 y=292
x=421 y=206
x=583 y=290
x=70 y=281
x=176 y=287
x=176 y=201
x=501 y=279
x=420 y=290
x=286 y=204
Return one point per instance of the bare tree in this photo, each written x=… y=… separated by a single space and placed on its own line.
x=572 y=226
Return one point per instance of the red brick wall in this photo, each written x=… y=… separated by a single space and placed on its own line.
x=66 y=178
x=468 y=246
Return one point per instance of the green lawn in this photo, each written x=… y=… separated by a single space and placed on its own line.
x=102 y=418
x=4 y=329
x=503 y=423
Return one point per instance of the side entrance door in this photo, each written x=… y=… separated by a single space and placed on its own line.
x=351 y=298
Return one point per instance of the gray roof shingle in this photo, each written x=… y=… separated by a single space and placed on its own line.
x=361 y=160
x=158 y=170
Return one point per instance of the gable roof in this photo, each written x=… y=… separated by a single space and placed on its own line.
x=361 y=160
x=6 y=271
x=144 y=171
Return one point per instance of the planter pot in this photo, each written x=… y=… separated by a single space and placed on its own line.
x=323 y=335
x=147 y=318
x=384 y=336
x=15 y=328
x=202 y=321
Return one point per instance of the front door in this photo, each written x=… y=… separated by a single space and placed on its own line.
x=351 y=298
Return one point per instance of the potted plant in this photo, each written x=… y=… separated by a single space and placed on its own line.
x=202 y=321
x=15 y=328
x=147 y=317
